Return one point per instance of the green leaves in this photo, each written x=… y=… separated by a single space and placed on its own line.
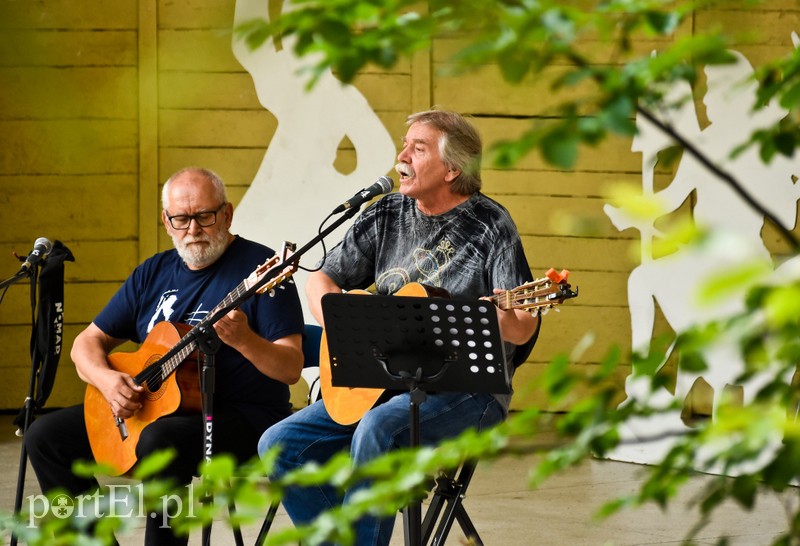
x=523 y=39
x=153 y=464
x=560 y=147
x=592 y=47
x=662 y=22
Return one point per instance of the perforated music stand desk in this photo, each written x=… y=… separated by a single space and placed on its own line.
x=417 y=344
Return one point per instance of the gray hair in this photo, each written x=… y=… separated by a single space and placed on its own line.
x=219 y=185
x=459 y=146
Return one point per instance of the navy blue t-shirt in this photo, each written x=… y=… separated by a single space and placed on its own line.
x=163 y=289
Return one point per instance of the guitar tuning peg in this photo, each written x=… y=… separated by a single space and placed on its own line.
x=556 y=277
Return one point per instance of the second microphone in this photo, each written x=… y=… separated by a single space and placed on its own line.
x=383 y=185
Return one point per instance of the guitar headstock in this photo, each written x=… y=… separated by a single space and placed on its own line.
x=267 y=267
x=540 y=295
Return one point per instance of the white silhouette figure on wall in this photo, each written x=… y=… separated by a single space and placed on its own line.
x=297 y=185
x=673 y=281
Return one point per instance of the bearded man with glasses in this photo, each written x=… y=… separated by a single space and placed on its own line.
x=261 y=352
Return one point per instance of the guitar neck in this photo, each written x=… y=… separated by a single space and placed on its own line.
x=164 y=368
x=536 y=296
x=226 y=302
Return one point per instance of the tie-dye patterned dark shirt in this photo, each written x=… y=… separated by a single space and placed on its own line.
x=468 y=250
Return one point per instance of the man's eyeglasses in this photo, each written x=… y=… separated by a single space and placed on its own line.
x=203 y=219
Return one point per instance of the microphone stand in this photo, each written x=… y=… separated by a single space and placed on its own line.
x=222 y=310
x=22 y=274
x=31 y=273
x=208 y=343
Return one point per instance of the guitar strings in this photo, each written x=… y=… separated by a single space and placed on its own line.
x=516 y=297
x=156 y=370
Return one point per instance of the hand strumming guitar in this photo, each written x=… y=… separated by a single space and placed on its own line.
x=121 y=393
x=90 y=354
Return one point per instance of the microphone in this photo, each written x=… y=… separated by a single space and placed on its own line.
x=41 y=248
x=383 y=185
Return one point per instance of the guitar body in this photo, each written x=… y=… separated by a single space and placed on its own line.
x=171 y=385
x=179 y=391
x=347 y=405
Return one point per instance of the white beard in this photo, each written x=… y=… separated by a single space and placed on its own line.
x=200 y=256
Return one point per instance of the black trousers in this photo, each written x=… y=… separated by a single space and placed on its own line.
x=55 y=440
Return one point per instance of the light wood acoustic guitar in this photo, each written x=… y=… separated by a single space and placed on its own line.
x=171 y=381
x=347 y=405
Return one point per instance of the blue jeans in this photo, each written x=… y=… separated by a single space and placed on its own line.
x=311 y=435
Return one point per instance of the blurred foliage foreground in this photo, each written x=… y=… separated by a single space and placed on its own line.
x=747 y=449
x=731 y=447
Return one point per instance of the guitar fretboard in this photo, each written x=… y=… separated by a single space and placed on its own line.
x=162 y=370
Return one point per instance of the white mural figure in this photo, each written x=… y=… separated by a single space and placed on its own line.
x=673 y=281
x=297 y=185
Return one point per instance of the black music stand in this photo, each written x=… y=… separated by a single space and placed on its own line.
x=419 y=344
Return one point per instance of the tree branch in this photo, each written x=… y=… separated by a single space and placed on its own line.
x=714 y=169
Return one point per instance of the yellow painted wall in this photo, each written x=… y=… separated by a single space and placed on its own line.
x=101 y=101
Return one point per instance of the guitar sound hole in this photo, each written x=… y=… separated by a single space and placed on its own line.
x=153 y=385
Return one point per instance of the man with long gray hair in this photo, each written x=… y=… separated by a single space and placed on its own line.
x=438 y=230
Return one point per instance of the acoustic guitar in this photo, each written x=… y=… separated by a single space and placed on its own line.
x=347 y=405
x=170 y=378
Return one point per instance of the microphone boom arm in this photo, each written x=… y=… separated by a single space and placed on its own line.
x=24 y=274
x=221 y=311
